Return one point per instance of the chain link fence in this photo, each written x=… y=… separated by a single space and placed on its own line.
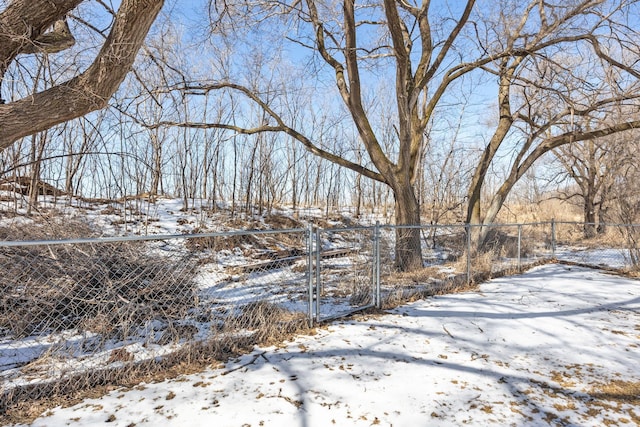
x=508 y=248
x=455 y=256
x=611 y=246
x=83 y=311
x=442 y=250
x=344 y=266
x=80 y=312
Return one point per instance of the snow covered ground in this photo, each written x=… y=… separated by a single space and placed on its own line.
x=600 y=257
x=557 y=345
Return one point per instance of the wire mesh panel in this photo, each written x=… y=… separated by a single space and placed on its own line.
x=253 y=282
x=441 y=250
x=538 y=241
x=496 y=248
x=613 y=246
x=568 y=233
x=80 y=312
x=629 y=235
x=85 y=312
x=74 y=310
x=444 y=245
x=345 y=280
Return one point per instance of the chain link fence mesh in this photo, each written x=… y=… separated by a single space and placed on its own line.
x=611 y=246
x=82 y=312
x=74 y=314
x=442 y=251
x=508 y=248
x=344 y=282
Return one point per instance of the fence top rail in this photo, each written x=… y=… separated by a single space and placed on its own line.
x=346 y=229
x=422 y=226
x=604 y=224
x=114 y=239
x=464 y=225
x=147 y=238
x=513 y=224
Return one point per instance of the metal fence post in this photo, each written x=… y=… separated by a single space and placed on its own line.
x=373 y=262
x=318 y=284
x=468 y=232
x=553 y=238
x=310 y=272
x=376 y=265
x=519 y=246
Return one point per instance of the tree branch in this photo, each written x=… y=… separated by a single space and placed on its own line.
x=280 y=127
x=90 y=90
x=23 y=21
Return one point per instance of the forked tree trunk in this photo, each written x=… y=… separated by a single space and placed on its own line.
x=408 y=249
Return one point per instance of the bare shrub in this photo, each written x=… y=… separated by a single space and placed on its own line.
x=361 y=294
x=484 y=262
x=218 y=243
x=453 y=243
x=627 y=212
x=631 y=236
x=282 y=222
x=506 y=245
x=272 y=245
x=107 y=288
x=401 y=296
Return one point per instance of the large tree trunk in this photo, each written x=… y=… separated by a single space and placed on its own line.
x=408 y=249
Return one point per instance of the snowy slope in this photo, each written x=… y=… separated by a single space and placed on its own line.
x=557 y=345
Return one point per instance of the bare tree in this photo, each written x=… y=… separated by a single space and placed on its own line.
x=24 y=25
x=563 y=71
x=333 y=30
x=79 y=139
x=543 y=59
x=593 y=166
x=556 y=75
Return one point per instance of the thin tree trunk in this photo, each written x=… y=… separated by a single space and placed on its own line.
x=37 y=150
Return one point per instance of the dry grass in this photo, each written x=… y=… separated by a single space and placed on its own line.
x=602 y=399
x=545 y=210
x=219 y=243
x=281 y=222
x=361 y=294
x=23 y=405
x=257 y=246
x=482 y=263
x=617 y=391
x=107 y=288
x=423 y=275
x=116 y=290
x=113 y=290
x=505 y=244
x=241 y=327
x=423 y=283
x=269 y=322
